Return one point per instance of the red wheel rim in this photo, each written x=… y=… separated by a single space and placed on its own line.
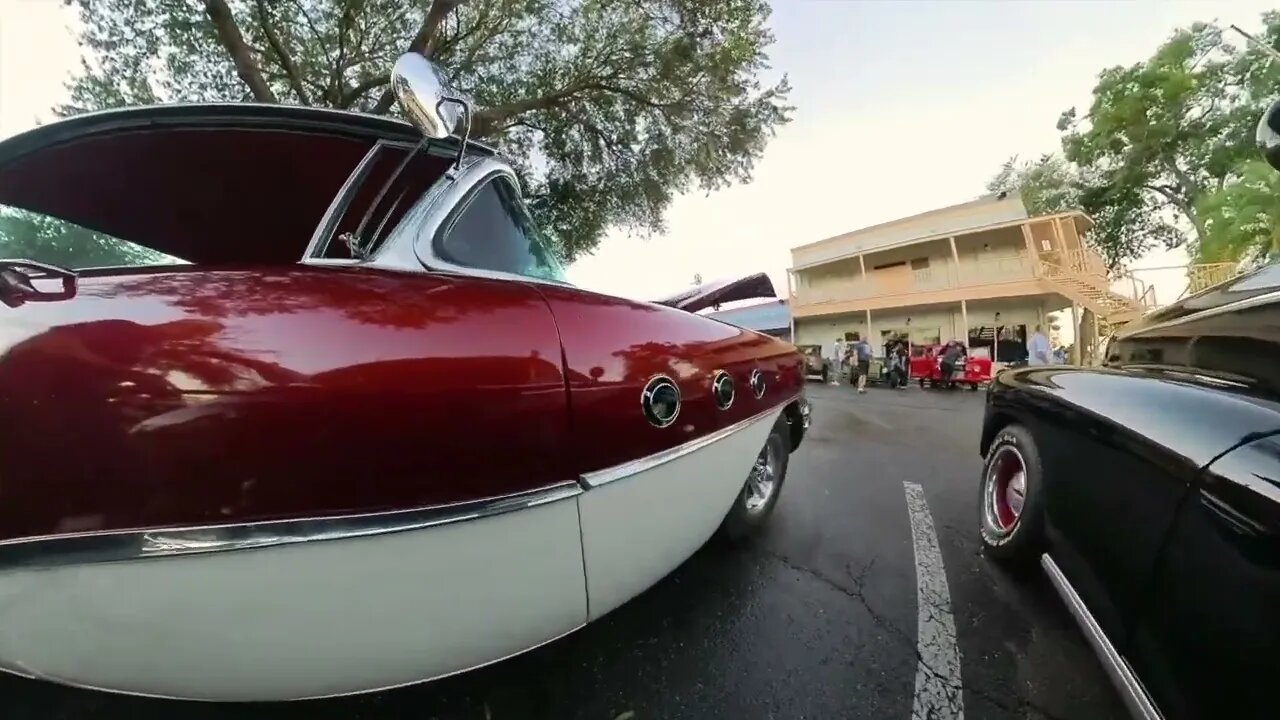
x=1006 y=489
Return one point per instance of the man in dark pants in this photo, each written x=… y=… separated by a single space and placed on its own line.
x=860 y=356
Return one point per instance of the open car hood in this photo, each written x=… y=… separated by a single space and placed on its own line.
x=210 y=184
x=707 y=295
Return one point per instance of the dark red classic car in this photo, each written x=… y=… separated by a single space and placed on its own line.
x=351 y=429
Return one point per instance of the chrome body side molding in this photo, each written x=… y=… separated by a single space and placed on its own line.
x=97 y=547
x=1122 y=676
x=122 y=545
x=597 y=478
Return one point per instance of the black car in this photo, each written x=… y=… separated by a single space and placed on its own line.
x=1149 y=492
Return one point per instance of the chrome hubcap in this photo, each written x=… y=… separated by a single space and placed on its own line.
x=762 y=481
x=1005 y=491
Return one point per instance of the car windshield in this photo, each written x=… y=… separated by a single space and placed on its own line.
x=30 y=235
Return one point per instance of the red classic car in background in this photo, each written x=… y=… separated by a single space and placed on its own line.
x=971 y=370
x=362 y=434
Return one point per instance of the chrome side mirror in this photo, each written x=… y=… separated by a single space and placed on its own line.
x=1268 y=135
x=425 y=95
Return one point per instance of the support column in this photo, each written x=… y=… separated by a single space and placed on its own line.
x=1093 y=328
x=791 y=301
x=1033 y=252
x=862 y=265
x=867 y=336
x=955 y=260
x=1065 y=259
x=1077 y=336
x=964 y=316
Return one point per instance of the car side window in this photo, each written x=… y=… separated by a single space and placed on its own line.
x=494 y=232
x=28 y=235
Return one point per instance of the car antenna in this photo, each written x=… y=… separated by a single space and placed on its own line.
x=1275 y=54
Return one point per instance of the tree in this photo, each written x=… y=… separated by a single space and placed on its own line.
x=1162 y=134
x=1047 y=185
x=1242 y=220
x=607 y=108
x=1050 y=185
x=32 y=236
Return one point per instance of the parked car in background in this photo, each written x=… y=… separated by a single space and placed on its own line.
x=815 y=366
x=1149 y=492
x=353 y=429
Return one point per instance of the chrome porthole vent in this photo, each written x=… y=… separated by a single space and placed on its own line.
x=660 y=401
x=757 y=383
x=722 y=389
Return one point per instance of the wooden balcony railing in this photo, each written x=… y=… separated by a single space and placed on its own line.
x=939 y=277
x=1207 y=275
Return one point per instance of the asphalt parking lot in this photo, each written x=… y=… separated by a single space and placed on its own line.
x=867 y=597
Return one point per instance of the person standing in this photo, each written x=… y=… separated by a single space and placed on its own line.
x=1038 y=349
x=904 y=362
x=835 y=356
x=861 y=355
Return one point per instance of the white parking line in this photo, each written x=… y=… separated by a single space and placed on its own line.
x=938 y=689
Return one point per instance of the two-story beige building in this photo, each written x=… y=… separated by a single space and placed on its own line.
x=960 y=272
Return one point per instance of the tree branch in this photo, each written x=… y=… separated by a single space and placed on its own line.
x=493 y=119
x=422 y=43
x=352 y=94
x=286 y=62
x=241 y=56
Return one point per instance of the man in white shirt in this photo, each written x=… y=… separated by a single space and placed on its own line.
x=1038 y=350
x=835 y=357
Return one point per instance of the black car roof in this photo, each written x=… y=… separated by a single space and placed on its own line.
x=248 y=115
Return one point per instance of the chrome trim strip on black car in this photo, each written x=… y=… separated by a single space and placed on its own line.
x=114 y=546
x=1122 y=676
x=596 y=478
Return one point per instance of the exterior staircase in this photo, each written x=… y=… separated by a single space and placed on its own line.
x=1082 y=277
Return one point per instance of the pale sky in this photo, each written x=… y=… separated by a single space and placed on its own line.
x=902 y=106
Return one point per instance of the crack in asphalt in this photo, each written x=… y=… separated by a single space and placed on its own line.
x=855 y=593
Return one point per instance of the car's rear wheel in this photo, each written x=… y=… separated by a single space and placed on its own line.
x=760 y=492
x=1011 y=516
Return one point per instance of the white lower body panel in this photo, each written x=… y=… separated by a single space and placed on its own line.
x=303 y=620
x=637 y=529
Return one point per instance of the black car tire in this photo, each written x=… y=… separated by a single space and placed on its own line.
x=826 y=375
x=748 y=514
x=1020 y=543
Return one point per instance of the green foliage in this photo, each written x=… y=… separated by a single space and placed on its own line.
x=608 y=109
x=1163 y=140
x=31 y=236
x=1047 y=185
x=1242 y=220
x=1052 y=185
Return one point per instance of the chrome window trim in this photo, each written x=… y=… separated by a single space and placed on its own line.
x=329 y=221
x=449 y=204
x=342 y=199
x=596 y=478
x=115 y=546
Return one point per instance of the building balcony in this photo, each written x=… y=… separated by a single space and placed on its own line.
x=935 y=283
